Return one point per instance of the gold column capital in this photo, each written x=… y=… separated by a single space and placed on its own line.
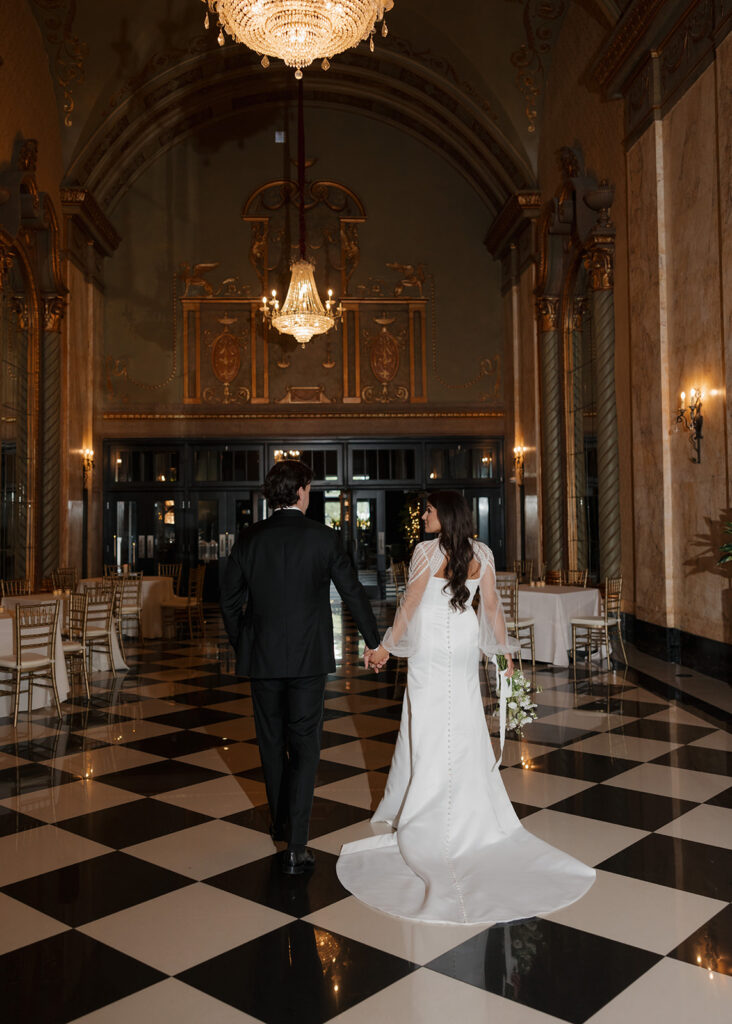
x=547 y=312
x=579 y=309
x=599 y=260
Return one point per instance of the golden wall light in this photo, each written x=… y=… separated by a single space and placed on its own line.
x=690 y=418
x=87 y=457
x=519 y=453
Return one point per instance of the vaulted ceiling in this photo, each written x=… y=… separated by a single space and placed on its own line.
x=135 y=78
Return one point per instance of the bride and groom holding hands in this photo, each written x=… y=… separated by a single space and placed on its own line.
x=450 y=844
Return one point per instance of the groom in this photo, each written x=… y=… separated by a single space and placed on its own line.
x=281 y=568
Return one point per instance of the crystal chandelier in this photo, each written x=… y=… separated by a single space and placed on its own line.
x=298 y=31
x=302 y=314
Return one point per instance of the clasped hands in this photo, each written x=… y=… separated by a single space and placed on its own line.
x=375 y=659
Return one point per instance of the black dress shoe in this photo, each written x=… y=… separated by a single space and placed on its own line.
x=295 y=862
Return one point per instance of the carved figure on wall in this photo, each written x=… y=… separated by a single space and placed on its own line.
x=384 y=359
x=412 y=277
x=195 y=278
x=226 y=351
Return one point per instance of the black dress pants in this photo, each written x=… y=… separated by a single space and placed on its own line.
x=288 y=714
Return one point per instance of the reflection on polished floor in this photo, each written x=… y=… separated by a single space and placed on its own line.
x=138 y=881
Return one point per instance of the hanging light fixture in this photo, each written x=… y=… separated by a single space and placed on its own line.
x=298 y=31
x=303 y=314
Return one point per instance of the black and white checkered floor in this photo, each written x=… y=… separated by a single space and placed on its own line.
x=138 y=882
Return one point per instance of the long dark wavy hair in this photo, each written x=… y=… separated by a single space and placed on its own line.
x=457 y=529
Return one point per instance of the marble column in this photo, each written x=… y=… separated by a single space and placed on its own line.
x=50 y=428
x=547 y=309
x=599 y=259
x=578 y=559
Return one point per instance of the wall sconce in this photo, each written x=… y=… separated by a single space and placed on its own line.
x=518 y=463
x=691 y=419
x=87 y=455
x=282 y=453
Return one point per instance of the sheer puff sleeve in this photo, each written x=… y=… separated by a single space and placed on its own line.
x=493 y=638
x=399 y=639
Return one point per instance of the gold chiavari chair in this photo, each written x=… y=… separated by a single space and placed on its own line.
x=75 y=644
x=100 y=625
x=16 y=588
x=172 y=569
x=591 y=632
x=524 y=569
x=575 y=577
x=128 y=605
x=65 y=578
x=553 y=577
x=521 y=629
x=112 y=569
x=35 y=653
x=189 y=608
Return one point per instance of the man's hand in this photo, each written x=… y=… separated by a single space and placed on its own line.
x=375 y=659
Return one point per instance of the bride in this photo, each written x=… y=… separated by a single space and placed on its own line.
x=457 y=851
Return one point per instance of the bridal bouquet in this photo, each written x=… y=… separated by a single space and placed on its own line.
x=520 y=709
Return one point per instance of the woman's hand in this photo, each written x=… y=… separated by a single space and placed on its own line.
x=375 y=659
x=509 y=665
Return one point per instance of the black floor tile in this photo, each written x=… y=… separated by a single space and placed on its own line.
x=176 y=744
x=619 y=706
x=160 y=777
x=328 y=771
x=65 y=977
x=625 y=807
x=297 y=973
x=698 y=759
x=549 y=967
x=298 y=895
x=48 y=747
x=12 y=822
x=88 y=719
x=388 y=711
x=334 y=739
x=554 y=735
x=133 y=822
x=679 y=863
x=330 y=713
x=192 y=718
x=667 y=732
x=385 y=737
x=203 y=698
x=27 y=778
x=330 y=816
x=709 y=947
x=575 y=764
x=723 y=799
x=95 y=888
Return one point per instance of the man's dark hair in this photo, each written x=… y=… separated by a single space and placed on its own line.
x=284 y=480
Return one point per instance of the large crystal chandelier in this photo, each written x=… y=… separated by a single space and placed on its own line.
x=298 y=31
x=303 y=314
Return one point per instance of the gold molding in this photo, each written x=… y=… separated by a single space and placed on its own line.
x=547 y=312
x=278 y=414
x=599 y=261
x=70 y=52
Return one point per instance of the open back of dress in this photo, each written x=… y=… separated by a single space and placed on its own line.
x=457 y=852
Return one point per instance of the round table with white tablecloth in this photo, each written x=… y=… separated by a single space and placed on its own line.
x=41 y=695
x=155 y=590
x=552 y=608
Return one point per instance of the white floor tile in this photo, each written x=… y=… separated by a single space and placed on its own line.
x=361 y=753
x=219 y=797
x=539 y=789
x=652 y=917
x=519 y=752
x=613 y=744
x=333 y=841
x=233 y=729
x=682 y=783
x=592 y=721
x=587 y=839
x=674 y=993
x=22 y=925
x=234 y=757
x=717 y=740
x=91 y=764
x=704 y=824
x=426 y=997
x=42 y=849
x=168 y=1001
x=126 y=732
x=679 y=716
x=364 y=790
x=205 y=850
x=410 y=940
x=183 y=928
x=360 y=725
x=69 y=800
x=357 y=704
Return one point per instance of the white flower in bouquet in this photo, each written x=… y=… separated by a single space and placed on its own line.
x=521 y=710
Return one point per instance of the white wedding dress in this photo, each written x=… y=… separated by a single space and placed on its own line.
x=457 y=852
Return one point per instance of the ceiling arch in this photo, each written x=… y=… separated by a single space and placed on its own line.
x=215 y=85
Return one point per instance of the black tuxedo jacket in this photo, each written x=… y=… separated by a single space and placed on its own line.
x=281 y=570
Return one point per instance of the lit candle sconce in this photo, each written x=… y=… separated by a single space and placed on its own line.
x=87 y=455
x=282 y=453
x=518 y=463
x=691 y=419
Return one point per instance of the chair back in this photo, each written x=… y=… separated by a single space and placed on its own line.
x=524 y=568
x=507 y=587
x=553 y=577
x=65 y=578
x=172 y=569
x=112 y=569
x=16 y=588
x=35 y=629
x=128 y=592
x=399 y=572
x=195 y=583
x=102 y=588
x=576 y=577
x=76 y=617
x=611 y=601
x=100 y=609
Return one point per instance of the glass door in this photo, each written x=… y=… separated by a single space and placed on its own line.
x=369 y=547
x=488 y=516
x=218 y=519
x=143 y=530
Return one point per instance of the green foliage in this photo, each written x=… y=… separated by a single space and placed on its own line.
x=726 y=549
